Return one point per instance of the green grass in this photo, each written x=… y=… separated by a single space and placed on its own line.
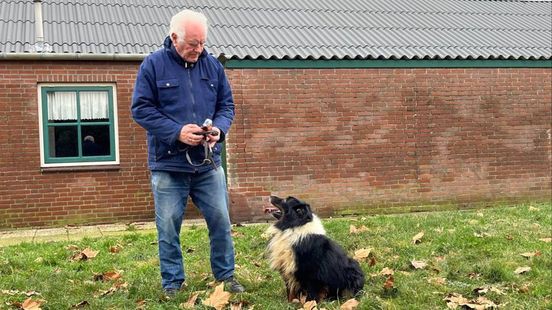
x=463 y=251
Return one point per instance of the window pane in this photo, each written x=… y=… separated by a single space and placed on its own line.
x=94 y=105
x=95 y=140
x=63 y=141
x=62 y=106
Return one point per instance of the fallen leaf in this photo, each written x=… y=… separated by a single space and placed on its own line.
x=438 y=280
x=219 y=298
x=237 y=234
x=350 y=304
x=454 y=300
x=11 y=292
x=140 y=304
x=236 y=306
x=547 y=240
x=354 y=230
x=362 y=254
x=106 y=276
x=84 y=255
x=481 y=235
x=389 y=283
x=72 y=247
x=474 y=275
x=190 y=304
x=309 y=305
x=530 y=254
x=387 y=272
x=30 y=304
x=524 y=288
x=418 y=238
x=418 y=264
x=115 y=249
x=521 y=270
x=372 y=261
x=89 y=253
x=81 y=304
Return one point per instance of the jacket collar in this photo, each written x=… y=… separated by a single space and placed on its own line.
x=171 y=50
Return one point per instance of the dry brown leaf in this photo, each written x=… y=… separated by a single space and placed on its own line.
x=389 y=283
x=80 y=305
x=530 y=254
x=115 y=249
x=418 y=238
x=372 y=261
x=438 y=280
x=387 y=272
x=111 y=275
x=354 y=230
x=237 y=234
x=10 y=292
x=362 y=254
x=524 y=289
x=30 y=304
x=454 y=300
x=309 y=305
x=140 y=304
x=521 y=270
x=190 y=304
x=350 y=304
x=418 y=264
x=235 y=306
x=89 y=253
x=219 y=298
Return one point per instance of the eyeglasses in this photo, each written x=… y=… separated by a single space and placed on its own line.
x=195 y=44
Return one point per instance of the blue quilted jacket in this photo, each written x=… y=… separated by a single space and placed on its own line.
x=170 y=93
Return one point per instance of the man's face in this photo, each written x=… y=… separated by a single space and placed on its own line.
x=191 y=46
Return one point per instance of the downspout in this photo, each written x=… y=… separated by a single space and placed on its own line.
x=39 y=28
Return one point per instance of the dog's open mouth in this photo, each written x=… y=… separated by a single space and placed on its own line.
x=277 y=213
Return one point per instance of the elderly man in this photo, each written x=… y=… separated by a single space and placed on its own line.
x=177 y=89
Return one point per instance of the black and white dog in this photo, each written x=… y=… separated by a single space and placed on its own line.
x=310 y=263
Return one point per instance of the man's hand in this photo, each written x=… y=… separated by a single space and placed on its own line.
x=212 y=139
x=187 y=135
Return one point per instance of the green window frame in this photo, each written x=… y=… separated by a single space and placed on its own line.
x=78 y=128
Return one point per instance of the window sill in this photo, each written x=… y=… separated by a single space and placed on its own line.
x=81 y=168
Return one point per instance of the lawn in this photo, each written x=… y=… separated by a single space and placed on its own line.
x=493 y=257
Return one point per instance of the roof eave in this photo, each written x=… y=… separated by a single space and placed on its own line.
x=72 y=56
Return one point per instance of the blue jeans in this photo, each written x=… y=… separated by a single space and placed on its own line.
x=208 y=192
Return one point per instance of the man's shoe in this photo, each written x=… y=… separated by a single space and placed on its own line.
x=170 y=292
x=233 y=286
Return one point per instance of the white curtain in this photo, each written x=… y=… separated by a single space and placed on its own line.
x=62 y=106
x=94 y=105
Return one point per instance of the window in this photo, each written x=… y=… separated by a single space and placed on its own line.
x=78 y=125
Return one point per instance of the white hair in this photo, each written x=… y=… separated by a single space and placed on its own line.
x=182 y=18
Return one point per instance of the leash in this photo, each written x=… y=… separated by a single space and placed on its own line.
x=208 y=160
x=207 y=149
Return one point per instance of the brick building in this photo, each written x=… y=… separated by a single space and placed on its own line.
x=357 y=107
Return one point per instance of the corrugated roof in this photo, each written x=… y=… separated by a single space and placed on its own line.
x=313 y=29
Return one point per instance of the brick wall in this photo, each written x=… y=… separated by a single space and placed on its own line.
x=378 y=140
x=347 y=141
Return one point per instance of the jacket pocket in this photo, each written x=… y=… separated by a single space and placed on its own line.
x=168 y=91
